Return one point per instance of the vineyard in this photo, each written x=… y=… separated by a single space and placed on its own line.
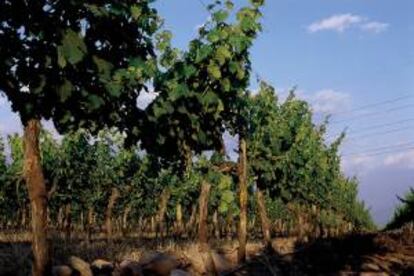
x=98 y=183
x=98 y=187
x=123 y=178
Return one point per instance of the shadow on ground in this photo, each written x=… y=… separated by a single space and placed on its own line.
x=354 y=254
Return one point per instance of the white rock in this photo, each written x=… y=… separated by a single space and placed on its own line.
x=81 y=266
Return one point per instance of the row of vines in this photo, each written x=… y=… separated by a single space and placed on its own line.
x=97 y=184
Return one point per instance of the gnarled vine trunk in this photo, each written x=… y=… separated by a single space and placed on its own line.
x=108 y=214
x=60 y=219
x=36 y=186
x=203 y=213
x=68 y=220
x=165 y=196
x=125 y=216
x=24 y=217
x=216 y=225
x=190 y=224
x=261 y=205
x=90 y=223
x=179 y=220
x=242 y=231
x=203 y=229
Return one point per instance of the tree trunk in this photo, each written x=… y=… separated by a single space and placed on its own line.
x=179 y=220
x=216 y=225
x=23 y=221
x=153 y=226
x=82 y=222
x=190 y=223
x=108 y=214
x=203 y=213
x=264 y=218
x=188 y=159
x=125 y=216
x=68 y=220
x=229 y=229
x=36 y=186
x=242 y=231
x=90 y=223
x=165 y=196
x=203 y=229
x=60 y=219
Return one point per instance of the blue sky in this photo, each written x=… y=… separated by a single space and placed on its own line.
x=353 y=59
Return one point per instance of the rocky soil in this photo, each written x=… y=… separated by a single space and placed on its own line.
x=382 y=253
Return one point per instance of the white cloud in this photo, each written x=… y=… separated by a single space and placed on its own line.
x=375 y=27
x=330 y=101
x=3 y=100
x=365 y=163
x=341 y=22
x=359 y=165
x=338 y=23
x=402 y=159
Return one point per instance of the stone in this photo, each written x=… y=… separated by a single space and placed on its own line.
x=370 y=267
x=62 y=270
x=102 y=268
x=158 y=263
x=130 y=268
x=199 y=262
x=81 y=266
x=179 y=272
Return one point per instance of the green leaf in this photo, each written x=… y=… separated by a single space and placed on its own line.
x=202 y=53
x=95 y=102
x=189 y=70
x=222 y=54
x=213 y=36
x=223 y=207
x=225 y=83
x=209 y=98
x=164 y=40
x=136 y=11
x=180 y=91
x=61 y=57
x=66 y=117
x=220 y=16
x=158 y=111
x=65 y=91
x=227 y=196
x=97 y=11
x=114 y=89
x=214 y=70
x=229 y=5
x=73 y=48
x=104 y=67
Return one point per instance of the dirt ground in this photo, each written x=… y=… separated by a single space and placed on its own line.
x=382 y=253
x=388 y=253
